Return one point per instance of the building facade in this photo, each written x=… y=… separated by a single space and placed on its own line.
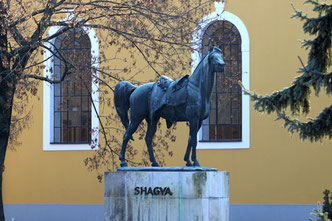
x=273 y=175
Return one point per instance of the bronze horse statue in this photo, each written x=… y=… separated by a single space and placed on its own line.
x=186 y=99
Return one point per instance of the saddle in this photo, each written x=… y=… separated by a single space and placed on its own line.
x=177 y=91
x=168 y=92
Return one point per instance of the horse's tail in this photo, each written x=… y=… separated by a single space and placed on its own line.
x=122 y=93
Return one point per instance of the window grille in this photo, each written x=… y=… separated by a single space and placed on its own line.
x=72 y=102
x=225 y=121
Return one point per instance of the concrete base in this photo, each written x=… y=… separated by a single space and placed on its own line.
x=166 y=196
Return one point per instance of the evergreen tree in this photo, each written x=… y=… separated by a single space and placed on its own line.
x=327 y=204
x=313 y=76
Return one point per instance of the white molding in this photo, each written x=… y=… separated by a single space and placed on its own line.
x=221 y=15
x=48 y=96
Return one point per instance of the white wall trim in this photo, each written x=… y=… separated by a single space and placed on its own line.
x=48 y=97
x=221 y=15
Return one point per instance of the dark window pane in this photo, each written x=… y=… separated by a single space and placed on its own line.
x=57 y=135
x=65 y=135
x=70 y=132
x=78 y=87
x=71 y=87
x=65 y=119
x=85 y=90
x=220 y=132
x=235 y=116
x=57 y=71
x=85 y=134
x=57 y=89
x=236 y=100
x=58 y=104
x=74 y=112
x=236 y=132
x=85 y=118
x=57 y=119
x=64 y=87
x=86 y=103
x=226 y=131
x=212 y=132
x=205 y=130
x=212 y=117
x=213 y=100
x=224 y=108
x=78 y=135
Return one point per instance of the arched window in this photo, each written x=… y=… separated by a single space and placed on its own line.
x=224 y=123
x=228 y=124
x=72 y=103
x=71 y=107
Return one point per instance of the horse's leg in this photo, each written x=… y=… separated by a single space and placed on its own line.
x=186 y=156
x=127 y=135
x=152 y=127
x=194 y=126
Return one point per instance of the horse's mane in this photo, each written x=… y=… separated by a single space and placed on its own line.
x=199 y=64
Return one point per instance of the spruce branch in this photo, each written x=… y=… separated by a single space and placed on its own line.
x=314 y=130
x=313 y=75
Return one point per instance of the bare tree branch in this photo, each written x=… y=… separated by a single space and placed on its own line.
x=25 y=18
x=48 y=79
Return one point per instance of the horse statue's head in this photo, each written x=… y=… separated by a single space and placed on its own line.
x=216 y=60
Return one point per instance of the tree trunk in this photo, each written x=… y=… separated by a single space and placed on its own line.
x=6 y=101
x=7 y=90
x=2 y=212
x=6 y=98
x=3 y=148
x=5 y=119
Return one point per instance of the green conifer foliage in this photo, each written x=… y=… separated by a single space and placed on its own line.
x=313 y=76
x=327 y=205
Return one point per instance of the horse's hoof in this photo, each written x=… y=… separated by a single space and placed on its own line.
x=155 y=164
x=196 y=164
x=189 y=164
x=123 y=164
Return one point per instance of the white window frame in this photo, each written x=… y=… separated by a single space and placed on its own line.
x=221 y=15
x=48 y=98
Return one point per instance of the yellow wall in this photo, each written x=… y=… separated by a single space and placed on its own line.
x=277 y=169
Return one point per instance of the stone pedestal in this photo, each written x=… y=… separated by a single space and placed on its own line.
x=166 y=195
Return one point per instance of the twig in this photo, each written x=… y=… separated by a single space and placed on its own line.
x=302 y=63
